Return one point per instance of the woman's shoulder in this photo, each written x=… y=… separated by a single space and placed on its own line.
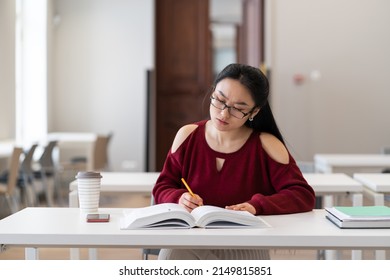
x=182 y=135
x=274 y=148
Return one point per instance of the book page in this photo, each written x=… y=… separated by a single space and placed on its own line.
x=165 y=214
x=213 y=216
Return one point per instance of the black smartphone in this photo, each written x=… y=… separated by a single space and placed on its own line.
x=98 y=218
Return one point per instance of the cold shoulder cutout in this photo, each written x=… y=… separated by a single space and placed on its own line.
x=255 y=174
x=274 y=148
x=182 y=135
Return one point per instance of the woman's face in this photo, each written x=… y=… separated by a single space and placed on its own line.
x=238 y=100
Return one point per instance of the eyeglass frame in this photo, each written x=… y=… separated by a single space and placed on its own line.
x=230 y=107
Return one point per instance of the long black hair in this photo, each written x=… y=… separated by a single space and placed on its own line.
x=257 y=84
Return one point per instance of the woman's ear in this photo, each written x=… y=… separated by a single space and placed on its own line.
x=254 y=112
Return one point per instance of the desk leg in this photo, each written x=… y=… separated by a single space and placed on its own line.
x=92 y=253
x=73 y=199
x=73 y=203
x=329 y=254
x=74 y=253
x=357 y=255
x=379 y=200
x=328 y=201
x=357 y=200
x=31 y=253
x=380 y=254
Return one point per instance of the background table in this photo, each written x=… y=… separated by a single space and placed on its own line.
x=328 y=185
x=65 y=227
x=143 y=182
x=351 y=163
x=132 y=182
x=376 y=185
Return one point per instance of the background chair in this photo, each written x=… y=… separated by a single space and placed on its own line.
x=100 y=160
x=45 y=172
x=386 y=151
x=8 y=187
x=26 y=177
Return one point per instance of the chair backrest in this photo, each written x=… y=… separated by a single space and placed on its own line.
x=46 y=160
x=26 y=165
x=100 y=154
x=13 y=168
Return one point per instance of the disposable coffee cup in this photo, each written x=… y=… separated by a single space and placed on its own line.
x=88 y=187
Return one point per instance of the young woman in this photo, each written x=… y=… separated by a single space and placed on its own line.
x=237 y=159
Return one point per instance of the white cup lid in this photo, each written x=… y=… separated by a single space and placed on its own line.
x=88 y=175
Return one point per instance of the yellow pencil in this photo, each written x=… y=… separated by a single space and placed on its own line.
x=187 y=186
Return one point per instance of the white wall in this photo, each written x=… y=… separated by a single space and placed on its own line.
x=101 y=49
x=347 y=108
x=7 y=69
x=100 y=52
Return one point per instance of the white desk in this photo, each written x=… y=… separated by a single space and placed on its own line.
x=327 y=185
x=376 y=185
x=327 y=163
x=134 y=182
x=331 y=184
x=41 y=227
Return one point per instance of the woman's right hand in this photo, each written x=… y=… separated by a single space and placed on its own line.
x=190 y=202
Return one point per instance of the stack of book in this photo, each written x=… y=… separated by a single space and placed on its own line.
x=359 y=216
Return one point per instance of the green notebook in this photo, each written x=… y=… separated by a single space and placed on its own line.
x=363 y=211
x=359 y=216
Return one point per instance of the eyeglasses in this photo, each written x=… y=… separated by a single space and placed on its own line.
x=237 y=113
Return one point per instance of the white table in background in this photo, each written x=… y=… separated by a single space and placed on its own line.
x=376 y=186
x=328 y=163
x=143 y=182
x=37 y=227
x=130 y=182
x=328 y=185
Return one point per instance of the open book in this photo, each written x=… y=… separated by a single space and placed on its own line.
x=359 y=216
x=172 y=215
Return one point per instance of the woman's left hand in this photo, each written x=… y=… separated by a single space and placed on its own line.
x=242 y=207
